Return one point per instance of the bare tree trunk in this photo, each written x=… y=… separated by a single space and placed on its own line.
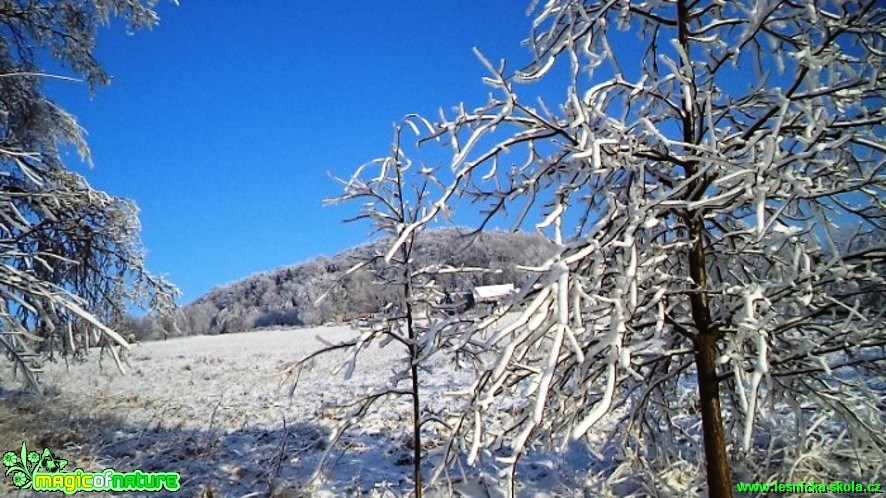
x=717 y=462
x=413 y=366
x=707 y=333
x=416 y=405
x=705 y=342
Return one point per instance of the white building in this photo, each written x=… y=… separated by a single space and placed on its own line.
x=492 y=293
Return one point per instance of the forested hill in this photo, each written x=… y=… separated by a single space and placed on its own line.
x=286 y=296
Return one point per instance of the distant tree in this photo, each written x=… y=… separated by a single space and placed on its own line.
x=70 y=257
x=692 y=189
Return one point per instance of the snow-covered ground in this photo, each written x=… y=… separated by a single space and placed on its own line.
x=214 y=409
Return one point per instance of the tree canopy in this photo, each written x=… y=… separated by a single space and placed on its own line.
x=706 y=176
x=71 y=261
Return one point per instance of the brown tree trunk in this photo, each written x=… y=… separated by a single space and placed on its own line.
x=717 y=462
x=707 y=333
x=413 y=371
x=705 y=342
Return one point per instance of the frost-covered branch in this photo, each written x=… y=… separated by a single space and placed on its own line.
x=693 y=196
x=71 y=262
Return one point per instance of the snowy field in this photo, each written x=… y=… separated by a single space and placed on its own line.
x=213 y=408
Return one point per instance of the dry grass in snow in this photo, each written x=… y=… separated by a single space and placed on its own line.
x=213 y=408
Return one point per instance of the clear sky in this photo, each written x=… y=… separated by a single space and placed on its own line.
x=224 y=122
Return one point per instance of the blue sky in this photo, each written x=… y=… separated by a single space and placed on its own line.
x=224 y=122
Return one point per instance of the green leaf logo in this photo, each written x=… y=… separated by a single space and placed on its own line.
x=24 y=466
x=20 y=468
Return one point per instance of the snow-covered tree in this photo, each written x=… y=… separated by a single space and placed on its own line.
x=70 y=257
x=692 y=172
x=394 y=194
